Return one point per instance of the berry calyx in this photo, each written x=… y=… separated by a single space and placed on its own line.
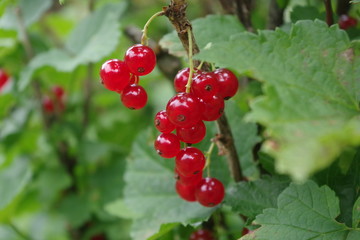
x=205 y=85
x=228 y=83
x=115 y=75
x=346 y=22
x=186 y=192
x=167 y=145
x=162 y=122
x=134 y=96
x=192 y=134
x=201 y=234
x=140 y=59
x=212 y=108
x=190 y=161
x=210 y=192
x=193 y=179
x=4 y=77
x=183 y=110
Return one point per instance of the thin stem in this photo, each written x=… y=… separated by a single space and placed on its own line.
x=144 y=37
x=208 y=157
x=18 y=232
x=329 y=12
x=201 y=64
x=191 y=63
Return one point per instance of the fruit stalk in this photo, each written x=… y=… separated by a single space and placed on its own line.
x=329 y=12
x=176 y=13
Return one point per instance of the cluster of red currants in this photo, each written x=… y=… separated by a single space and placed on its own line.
x=201 y=234
x=123 y=76
x=346 y=22
x=185 y=113
x=54 y=101
x=4 y=78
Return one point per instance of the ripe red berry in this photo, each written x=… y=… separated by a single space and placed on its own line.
x=181 y=80
x=193 y=179
x=58 y=92
x=228 y=83
x=167 y=145
x=140 y=59
x=201 y=234
x=210 y=192
x=205 y=85
x=212 y=108
x=192 y=134
x=48 y=104
x=184 y=110
x=115 y=75
x=134 y=96
x=4 y=77
x=245 y=231
x=162 y=122
x=346 y=22
x=190 y=161
x=186 y=192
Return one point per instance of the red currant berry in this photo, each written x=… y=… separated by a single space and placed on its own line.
x=212 y=109
x=201 y=234
x=134 y=96
x=210 y=192
x=184 y=110
x=189 y=161
x=4 y=77
x=193 y=179
x=228 y=83
x=205 y=85
x=245 y=231
x=48 y=104
x=346 y=22
x=115 y=75
x=140 y=59
x=181 y=80
x=58 y=92
x=192 y=134
x=186 y=192
x=167 y=145
x=162 y=122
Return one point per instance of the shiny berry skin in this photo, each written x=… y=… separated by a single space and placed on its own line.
x=181 y=80
x=346 y=22
x=140 y=59
x=193 y=134
x=190 y=161
x=184 y=110
x=167 y=145
x=210 y=192
x=4 y=78
x=115 y=75
x=205 y=85
x=186 y=192
x=193 y=179
x=212 y=109
x=134 y=96
x=162 y=122
x=201 y=234
x=58 y=92
x=48 y=104
x=228 y=83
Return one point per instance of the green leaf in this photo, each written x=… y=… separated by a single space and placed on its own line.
x=306 y=13
x=311 y=104
x=94 y=38
x=303 y=212
x=76 y=209
x=13 y=179
x=31 y=11
x=211 y=29
x=356 y=214
x=150 y=193
x=251 y=198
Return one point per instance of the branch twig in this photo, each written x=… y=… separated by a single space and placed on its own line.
x=177 y=16
x=329 y=12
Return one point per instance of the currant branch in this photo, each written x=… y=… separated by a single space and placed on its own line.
x=176 y=13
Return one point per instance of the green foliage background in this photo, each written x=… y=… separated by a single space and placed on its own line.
x=301 y=108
